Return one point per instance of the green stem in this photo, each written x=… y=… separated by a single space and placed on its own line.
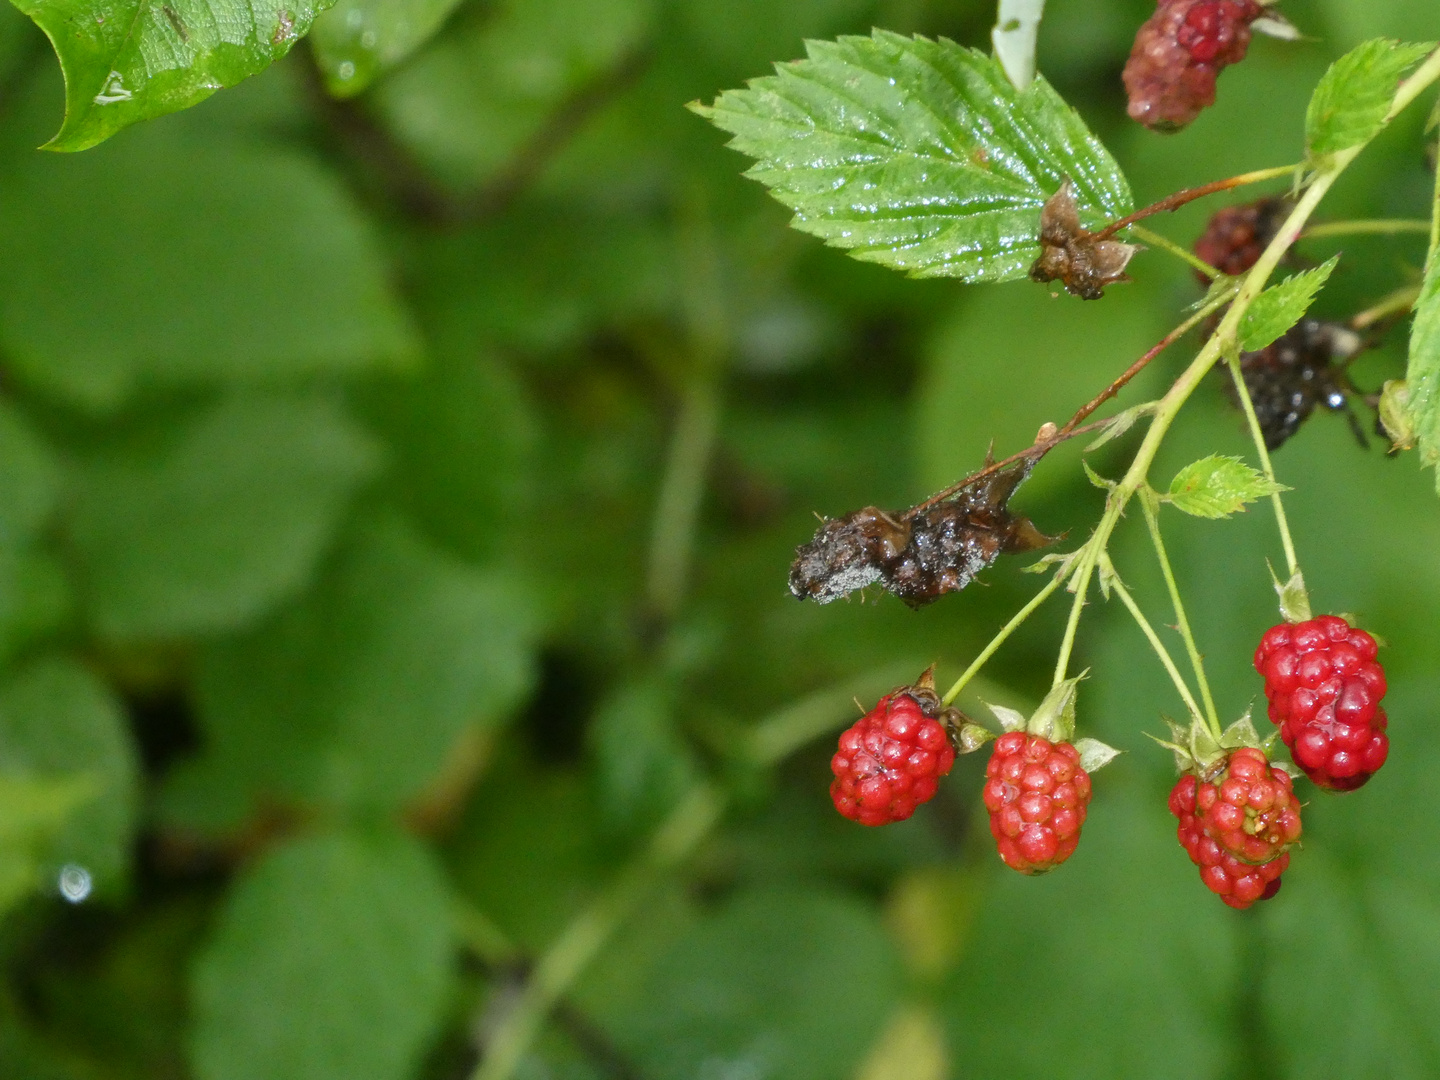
x=1397 y=302
x=677 y=510
x=1118 y=587
x=588 y=933
x=1154 y=239
x=1197 y=664
x=1080 y=579
x=999 y=639
x=1382 y=227
x=1258 y=436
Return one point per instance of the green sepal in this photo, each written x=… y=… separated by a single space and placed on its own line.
x=1095 y=754
x=1294 y=600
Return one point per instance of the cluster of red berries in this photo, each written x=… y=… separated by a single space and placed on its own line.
x=1179 y=52
x=890 y=761
x=1324 y=688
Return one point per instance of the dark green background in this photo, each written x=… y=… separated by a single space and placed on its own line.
x=331 y=443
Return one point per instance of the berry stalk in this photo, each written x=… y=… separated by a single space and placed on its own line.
x=999 y=639
x=1377 y=227
x=1164 y=243
x=1152 y=522
x=1242 y=392
x=1111 y=581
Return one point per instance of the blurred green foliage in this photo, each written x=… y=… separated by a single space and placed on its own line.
x=400 y=464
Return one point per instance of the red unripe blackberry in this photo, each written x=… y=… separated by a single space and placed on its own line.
x=889 y=762
x=1177 y=55
x=1324 y=687
x=1235 y=237
x=1250 y=808
x=1238 y=884
x=1037 y=795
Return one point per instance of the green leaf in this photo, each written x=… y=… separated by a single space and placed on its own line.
x=643 y=762
x=58 y=721
x=32 y=811
x=29 y=478
x=1422 y=375
x=223 y=521
x=196 y=260
x=1281 y=306
x=1352 y=98
x=791 y=983
x=357 y=696
x=130 y=60
x=918 y=154
x=356 y=40
x=475 y=101
x=331 y=961
x=1218 y=486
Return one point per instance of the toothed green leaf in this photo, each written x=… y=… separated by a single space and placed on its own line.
x=1281 y=306
x=1218 y=486
x=1352 y=98
x=917 y=154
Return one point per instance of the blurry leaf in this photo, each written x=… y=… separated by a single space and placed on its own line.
x=29 y=478
x=330 y=962
x=918 y=154
x=1281 y=306
x=474 y=101
x=790 y=984
x=356 y=40
x=463 y=434
x=912 y=1047
x=32 y=811
x=226 y=521
x=131 y=60
x=170 y=259
x=643 y=763
x=35 y=597
x=1218 y=486
x=749 y=34
x=1351 y=100
x=1422 y=376
x=57 y=720
x=355 y=696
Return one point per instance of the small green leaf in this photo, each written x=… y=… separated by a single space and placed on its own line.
x=209 y=532
x=1010 y=719
x=1281 y=306
x=1120 y=423
x=1422 y=376
x=330 y=962
x=917 y=154
x=1218 y=486
x=1352 y=98
x=357 y=40
x=1054 y=719
x=1096 y=480
x=130 y=60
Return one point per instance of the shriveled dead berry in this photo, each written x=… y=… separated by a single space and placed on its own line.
x=1236 y=236
x=1074 y=257
x=920 y=554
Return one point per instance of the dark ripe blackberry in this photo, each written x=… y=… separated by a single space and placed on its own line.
x=1301 y=370
x=1235 y=237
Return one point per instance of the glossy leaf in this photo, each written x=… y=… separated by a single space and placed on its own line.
x=58 y=721
x=330 y=962
x=357 y=40
x=210 y=531
x=356 y=697
x=1218 y=486
x=177 y=257
x=1422 y=376
x=918 y=154
x=1281 y=306
x=131 y=60
x=1352 y=98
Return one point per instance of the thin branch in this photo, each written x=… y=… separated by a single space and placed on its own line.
x=1189 y=195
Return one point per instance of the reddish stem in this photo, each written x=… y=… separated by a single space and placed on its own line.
x=1179 y=199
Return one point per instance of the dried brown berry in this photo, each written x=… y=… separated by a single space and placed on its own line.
x=1074 y=257
x=921 y=554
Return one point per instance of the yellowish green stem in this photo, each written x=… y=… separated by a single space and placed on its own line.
x=1118 y=587
x=1197 y=663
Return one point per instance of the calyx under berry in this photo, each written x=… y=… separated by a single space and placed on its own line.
x=1054 y=721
